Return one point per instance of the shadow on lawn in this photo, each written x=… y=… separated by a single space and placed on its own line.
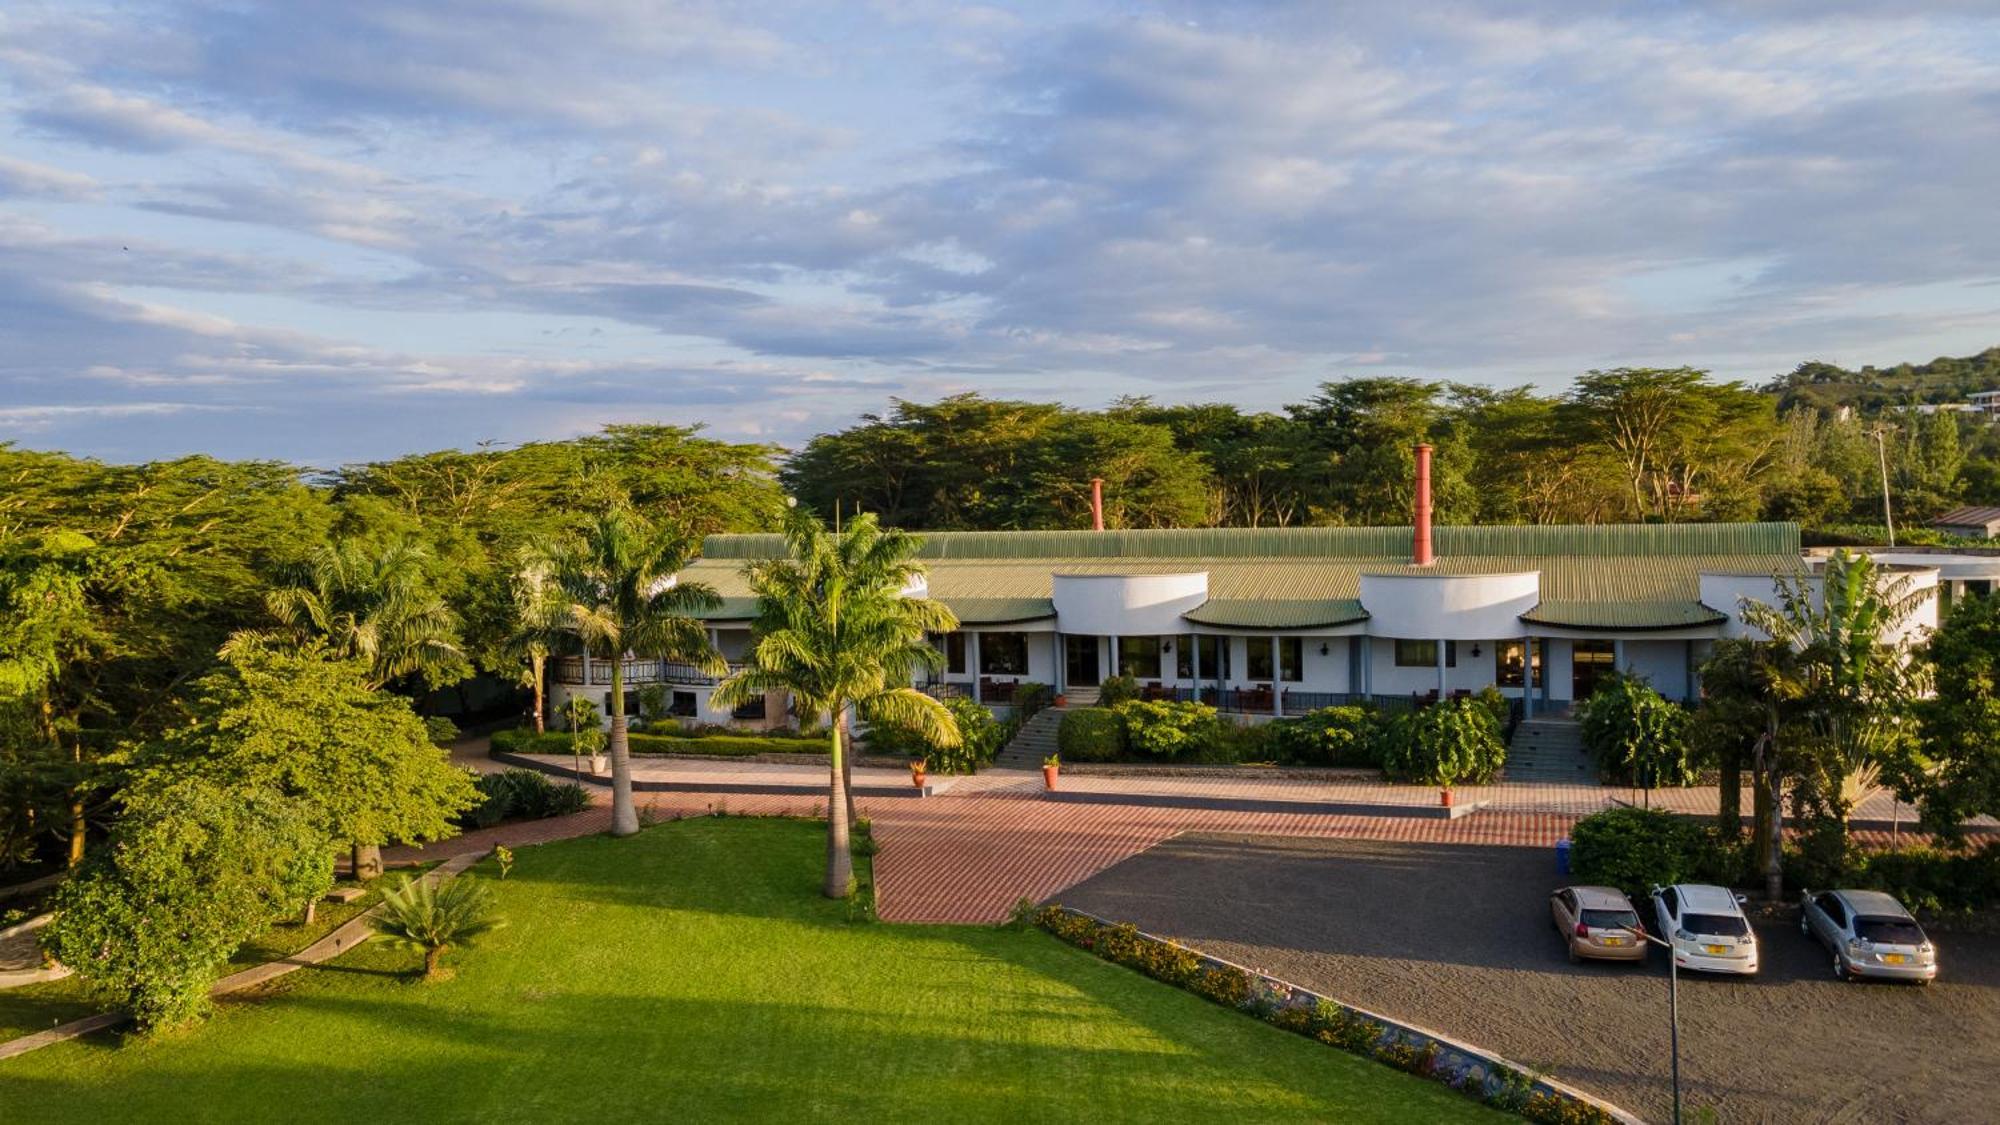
x=610 y=1056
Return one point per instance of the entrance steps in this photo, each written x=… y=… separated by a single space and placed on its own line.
x=1081 y=697
x=1035 y=741
x=1550 y=750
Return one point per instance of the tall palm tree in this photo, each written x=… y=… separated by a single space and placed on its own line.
x=835 y=629
x=619 y=595
x=538 y=621
x=371 y=604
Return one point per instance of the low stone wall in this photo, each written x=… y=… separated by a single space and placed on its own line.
x=1470 y=1070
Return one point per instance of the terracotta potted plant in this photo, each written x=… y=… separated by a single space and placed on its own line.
x=1062 y=701
x=1445 y=797
x=918 y=768
x=1051 y=766
x=599 y=763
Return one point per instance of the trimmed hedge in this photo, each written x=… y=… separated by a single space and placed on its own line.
x=1636 y=850
x=1169 y=730
x=524 y=741
x=1091 y=734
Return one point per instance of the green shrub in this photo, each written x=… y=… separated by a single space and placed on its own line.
x=1116 y=690
x=1168 y=730
x=1636 y=734
x=1240 y=742
x=1330 y=736
x=1444 y=744
x=1638 y=849
x=519 y=794
x=1933 y=880
x=980 y=738
x=1091 y=734
x=441 y=731
x=1496 y=704
x=1030 y=697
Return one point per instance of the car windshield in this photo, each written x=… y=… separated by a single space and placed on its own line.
x=1888 y=931
x=1715 y=925
x=1611 y=919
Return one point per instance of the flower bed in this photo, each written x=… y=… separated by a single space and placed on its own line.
x=1467 y=1069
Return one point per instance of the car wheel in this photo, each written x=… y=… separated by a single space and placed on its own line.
x=1839 y=969
x=1804 y=927
x=1574 y=957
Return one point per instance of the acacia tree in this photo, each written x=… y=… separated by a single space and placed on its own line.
x=836 y=626
x=619 y=593
x=309 y=726
x=47 y=629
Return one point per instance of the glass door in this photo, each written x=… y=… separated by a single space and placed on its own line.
x=1080 y=662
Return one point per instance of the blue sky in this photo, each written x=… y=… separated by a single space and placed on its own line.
x=328 y=232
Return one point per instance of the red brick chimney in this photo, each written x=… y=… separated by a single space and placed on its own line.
x=1420 y=550
x=1097 y=503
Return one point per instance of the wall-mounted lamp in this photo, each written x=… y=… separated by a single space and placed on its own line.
x=1322 y=648
x=1475 y=650
x=1167 y=647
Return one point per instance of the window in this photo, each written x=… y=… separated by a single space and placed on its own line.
x=954 y=653
x=1214 y=653
x=1139 y=657
x=1257 y=658
x=1424 y=654
x=1673 y=900
x=1833 y=909
x=1184 y=659
x=683 y=705
x=1291 y=659
x=1003 y=654
x=1510 y=658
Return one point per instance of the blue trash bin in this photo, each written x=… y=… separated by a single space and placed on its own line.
x=1562 y=856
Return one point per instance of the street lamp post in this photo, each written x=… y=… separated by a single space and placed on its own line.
x=1882 y=459
x=1673 y=1010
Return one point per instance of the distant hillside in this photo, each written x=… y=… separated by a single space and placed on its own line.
x=1871 y=389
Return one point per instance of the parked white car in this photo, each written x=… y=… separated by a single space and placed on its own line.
x=1706 y=928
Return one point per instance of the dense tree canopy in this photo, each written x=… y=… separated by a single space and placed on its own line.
x=1622 y=445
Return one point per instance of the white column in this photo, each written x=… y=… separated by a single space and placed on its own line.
x=1056 y=670
x=1618 y=655
x=1111 y=645
x=1441 y=643
x=972 y=662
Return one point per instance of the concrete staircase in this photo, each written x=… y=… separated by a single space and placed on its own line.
x=1550 y=750
x=1034 y=741
x=1081 y=697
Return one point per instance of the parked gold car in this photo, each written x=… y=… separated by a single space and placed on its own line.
x=1597 y=922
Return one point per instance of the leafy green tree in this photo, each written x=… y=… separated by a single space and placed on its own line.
x=980 y=736
x=372 y=604
x=194 y=869
x=1362 y=434
x=1636 y=732
x=619 y=596
x=308 y=725
x=422 y=914
x=836 y=628
x=538 y=624
x=1958 y=776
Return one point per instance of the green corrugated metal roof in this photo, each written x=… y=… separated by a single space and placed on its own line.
x=1000 y=611
x=1623 y=615
x=1595 y=540
x=1259 y=613
x=1635 y=576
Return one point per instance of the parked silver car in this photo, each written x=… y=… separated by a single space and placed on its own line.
x=1706 y=927
x=1869 y=934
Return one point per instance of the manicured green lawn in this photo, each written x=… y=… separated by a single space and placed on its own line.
x=692 y=972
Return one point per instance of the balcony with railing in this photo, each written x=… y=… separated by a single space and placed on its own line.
x=569 y=670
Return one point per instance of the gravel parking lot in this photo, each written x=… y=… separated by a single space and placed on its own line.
x=1459 y=939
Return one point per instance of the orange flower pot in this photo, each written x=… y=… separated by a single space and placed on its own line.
x=917 y=773
x=1049 y=775
x=1444 y=797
